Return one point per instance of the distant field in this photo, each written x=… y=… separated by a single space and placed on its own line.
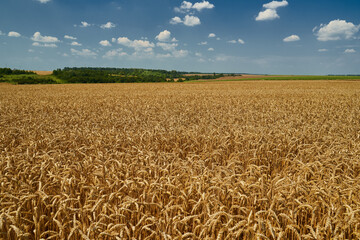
x=43 y=72
x=197 y=160
x=282 y=77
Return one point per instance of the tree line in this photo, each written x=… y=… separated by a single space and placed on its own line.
x=9 y=71
x=114 y=75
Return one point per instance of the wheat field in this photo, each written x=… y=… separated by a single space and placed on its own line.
x=220 y=160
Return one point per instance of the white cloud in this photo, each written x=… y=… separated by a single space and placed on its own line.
x=115 y=53
x=175 y=20
x=174 y=40
x=44 y=1
x=350 y=50
x=270 y=10
x=191 y=21
x=180 y=53
x=188 y=20
x=167 y=46
x=85 y=24
x=292 y=38
x=46 y=39
x=124 y=41
x=336 y=30
x=186 y=7
x=138 y=45
x=14 y=34
x=323 y=50
x=164 y=36
x=203 y=5
x=1 y=33
x=237 y=41
x=198 y=54
x=70 y=37
x=47 y=45
x=275 y=4
x=75 y=44
x=113 y=40
x=83 y=52
x=31 y=50
x=108 y=25
x=212 y=35
x=211 y=49
x=105 y=43
x=202 y=43
x=268 y=14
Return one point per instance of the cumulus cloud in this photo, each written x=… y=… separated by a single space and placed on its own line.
x=108 y=25
x=138 y=45
x=211 y=49
x=275 y=4
x=46 y=45
x=180 y=53
x=44 y=1
x=203 y=43
x=37 y=37
x=323 y=50
x=84 y=24
x=115 y=53
x=186 y=6
x=83 y=53
x=241 y=41
x=212 y=35
x=76 y=44
x=176 y=54
x=270 y=12
x=188 y=20
x=105 y=43
x=175 y=20
x=292 y=38
x=203 y=5
x=167 y=46
x=1 y=33
x=14 y=34
x=336 y=30
x=350 y=50
x=70 y=37
x=164 y=36
x=237 y=41
x=191 y=21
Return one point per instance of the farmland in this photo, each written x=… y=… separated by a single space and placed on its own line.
x=194 y=160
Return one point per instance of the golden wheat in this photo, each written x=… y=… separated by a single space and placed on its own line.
x=222 y=160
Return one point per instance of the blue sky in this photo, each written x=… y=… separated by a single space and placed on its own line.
x=253 y=36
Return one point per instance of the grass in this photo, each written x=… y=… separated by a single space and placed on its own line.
x=220 y=160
